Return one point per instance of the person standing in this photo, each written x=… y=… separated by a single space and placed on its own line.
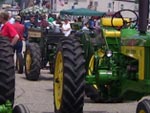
x=43 y=23
x=27 y=25
x=20 y=30
x=85 y=27
x=7 y=29
x=57 y=25
x=66 y=28
x=50 y=19
x=91 y=23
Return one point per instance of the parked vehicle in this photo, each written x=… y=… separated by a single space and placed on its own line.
x=39 y=51
x=111 y=67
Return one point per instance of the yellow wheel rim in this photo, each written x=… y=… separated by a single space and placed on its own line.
x=91 y=68
x=28 y=61
x=142 y=111
x=58 y=80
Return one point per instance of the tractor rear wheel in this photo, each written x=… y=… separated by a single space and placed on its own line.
x=19 y=63
x=69 y=80
x=143 y=106
x=32 y=61
x=7 y=72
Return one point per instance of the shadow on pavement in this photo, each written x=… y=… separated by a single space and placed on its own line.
x=41 y=78
x=50 y=90
x=47 y=78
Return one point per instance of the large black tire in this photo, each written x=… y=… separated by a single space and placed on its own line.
x=19 y=63
x=32 y=61
x=20 y=108
x=7 y=72
x=69 y=77
x=143 y=106
x=51 y=67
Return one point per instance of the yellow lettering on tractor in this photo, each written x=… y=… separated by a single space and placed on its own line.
x=138 y=53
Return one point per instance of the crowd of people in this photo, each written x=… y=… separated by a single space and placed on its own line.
x=16 y=27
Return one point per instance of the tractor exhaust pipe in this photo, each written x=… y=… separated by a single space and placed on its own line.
x=143 y=16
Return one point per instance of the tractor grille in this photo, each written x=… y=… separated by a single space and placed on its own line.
x=54 y=37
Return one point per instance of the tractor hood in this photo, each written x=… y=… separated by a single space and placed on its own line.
x=136 y=40
x=137 y=46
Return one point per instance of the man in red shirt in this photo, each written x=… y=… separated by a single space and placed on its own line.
x=20 y=30
x=7 y=30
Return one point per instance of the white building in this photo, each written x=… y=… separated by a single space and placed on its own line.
x=62 y=4
x=99 y=5
x=111 y=5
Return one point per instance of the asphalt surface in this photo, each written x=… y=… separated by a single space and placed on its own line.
x=38 y=97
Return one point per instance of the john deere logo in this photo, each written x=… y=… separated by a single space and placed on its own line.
x=131 y=51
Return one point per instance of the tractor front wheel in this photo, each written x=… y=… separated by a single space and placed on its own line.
x=32 y=61
x=143 y=106
x=20 y=108
x=69 y=80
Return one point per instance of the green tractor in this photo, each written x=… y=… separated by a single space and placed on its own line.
x=7 y=80
x=39 y=51
x=110 y=67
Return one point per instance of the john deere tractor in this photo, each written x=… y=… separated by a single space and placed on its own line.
x=7 y=79
x=110 y=67
x=40 y=50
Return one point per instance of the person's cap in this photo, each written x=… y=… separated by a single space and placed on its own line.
x=18 y=18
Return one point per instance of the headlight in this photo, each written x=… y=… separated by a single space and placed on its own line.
x=109 y=53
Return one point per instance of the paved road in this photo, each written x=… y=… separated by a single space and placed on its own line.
x=38 y=97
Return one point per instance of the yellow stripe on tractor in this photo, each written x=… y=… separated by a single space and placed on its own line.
x=111 y=33
x=137 y=53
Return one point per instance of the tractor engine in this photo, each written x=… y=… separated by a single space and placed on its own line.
x=116 y=68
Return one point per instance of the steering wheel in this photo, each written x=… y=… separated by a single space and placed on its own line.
x=126 y=23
